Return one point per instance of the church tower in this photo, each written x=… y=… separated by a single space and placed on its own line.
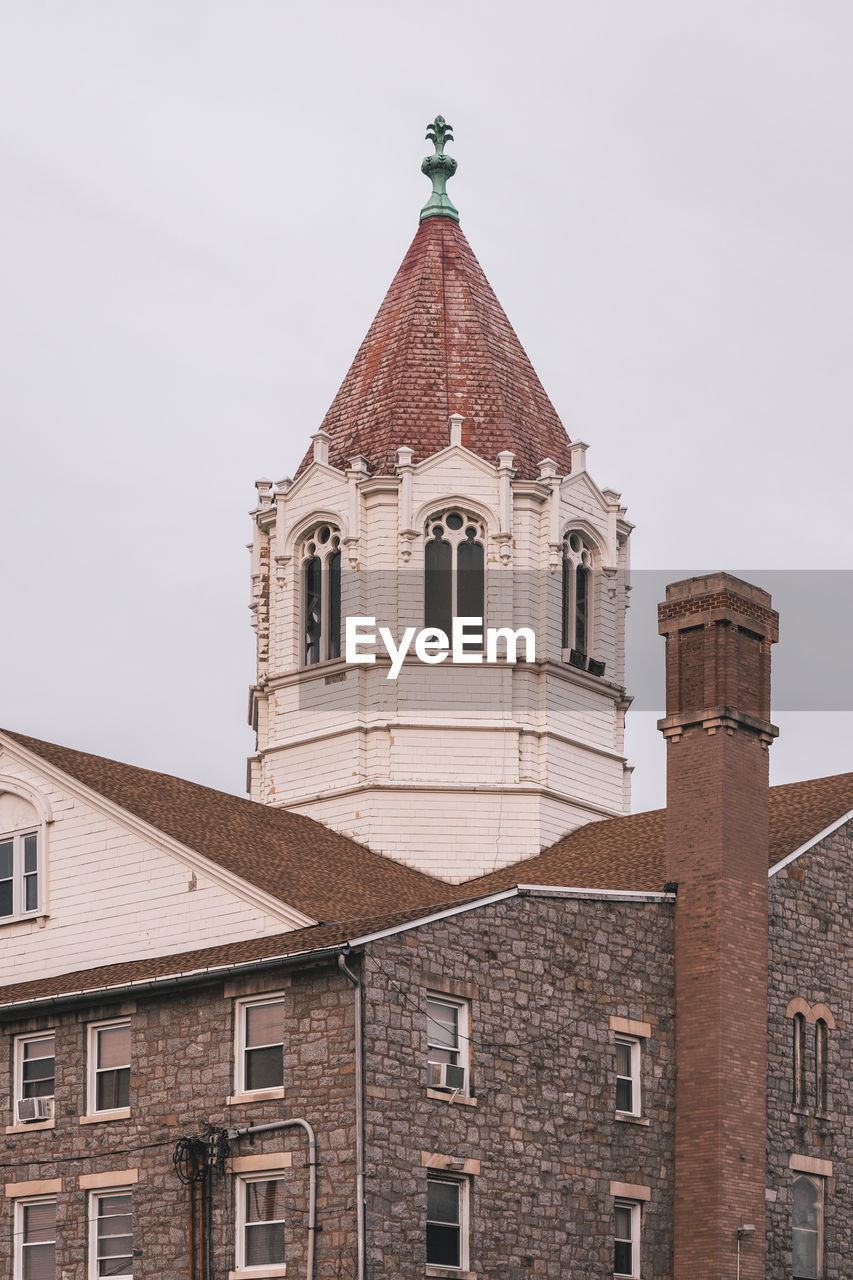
x=440 y=484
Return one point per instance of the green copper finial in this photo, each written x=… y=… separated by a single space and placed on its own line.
x=439 y=168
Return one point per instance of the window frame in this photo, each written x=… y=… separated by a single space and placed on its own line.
x=798 y=1062
x=95 y=1196
x=454 y=539
x=819 y=1183
x=635 y=1045
x=463 y=1184
x=241 y=1182
x=241 y=1007
x=577 y=559
x=330 y=608
x=30 y=1037
x=463 y=1033
x=821 y=1065
x=19 y=1218
x=635 y=1209
x=19 y=875
x=93 y=1070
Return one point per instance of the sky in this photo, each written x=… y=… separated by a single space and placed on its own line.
x=202 y=206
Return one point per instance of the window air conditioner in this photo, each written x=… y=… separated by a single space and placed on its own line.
x=445 y=1075
x=28 y=1109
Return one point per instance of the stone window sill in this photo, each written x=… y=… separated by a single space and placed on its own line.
x=446 y=1095
x=449 y=1273
x=257 y=1095
x=624 y=1118
x=103 y=1117
x=258 y=1273
x=32 y=1124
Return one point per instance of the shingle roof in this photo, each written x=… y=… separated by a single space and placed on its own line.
x=323 y=874
x=442 y=344
x=630 y=852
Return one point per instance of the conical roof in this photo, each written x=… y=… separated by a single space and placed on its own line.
x=442 y=344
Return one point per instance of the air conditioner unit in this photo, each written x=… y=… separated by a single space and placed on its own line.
x=29 y=1109
x=446 y=1075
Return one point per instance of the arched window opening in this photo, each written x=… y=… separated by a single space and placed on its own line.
x=577 y=601
x=799 y=1061
x=821 y=1047
x=807 y=1228
x=321 y=594
x=454 y=571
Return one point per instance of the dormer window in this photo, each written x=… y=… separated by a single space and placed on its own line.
x=19 y=874
x=577 y=595
x=454 y=570
x=321 y=594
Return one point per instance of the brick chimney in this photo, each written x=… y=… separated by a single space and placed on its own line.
x=718 y=631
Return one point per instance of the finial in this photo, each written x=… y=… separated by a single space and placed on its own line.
x=439 y=168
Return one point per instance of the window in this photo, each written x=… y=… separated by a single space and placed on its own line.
x=626 y=1238
x=577 y=595
x=260 y=1044
x=109 y=1067
x=34 y=1076
x=447 y=1042
x=454 y=571
x=321 y=594
x=447 y=1222
x=19 y=874
x=821 y=1048
x=807 y=1228
x=35 y=1240
x=111 y=1235
x=799 y=1061
x=260 y=1223
x=628 y=1075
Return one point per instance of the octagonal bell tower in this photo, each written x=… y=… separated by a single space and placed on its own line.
x=441 y=483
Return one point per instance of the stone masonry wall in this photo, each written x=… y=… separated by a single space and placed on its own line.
x=544 y=977
x=811 y=952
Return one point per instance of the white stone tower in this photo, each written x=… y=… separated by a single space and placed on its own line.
x=440 y=482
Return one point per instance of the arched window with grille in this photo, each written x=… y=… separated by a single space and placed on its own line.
x=454 y=570
x=577 y=594
x=799 y=1061
x=320 y=559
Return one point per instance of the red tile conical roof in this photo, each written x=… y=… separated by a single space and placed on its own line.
x=442 y=344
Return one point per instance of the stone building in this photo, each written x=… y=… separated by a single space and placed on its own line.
x=433 y=1002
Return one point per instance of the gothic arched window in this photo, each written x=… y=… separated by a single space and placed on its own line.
x=577 y=594
x=321 y=594
x=454 y=570
x=821 y=1047
x=799 y=1061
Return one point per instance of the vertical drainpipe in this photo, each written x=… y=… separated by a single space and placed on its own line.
x=359 y=1113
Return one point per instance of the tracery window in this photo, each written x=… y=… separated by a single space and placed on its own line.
x=577 y=594
x=455 y=570
x=321 y=594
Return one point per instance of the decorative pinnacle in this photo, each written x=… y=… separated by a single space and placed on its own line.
x=439 y=168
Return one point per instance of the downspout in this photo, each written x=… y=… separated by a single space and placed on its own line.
x=359 y=1113
x=312 y=1174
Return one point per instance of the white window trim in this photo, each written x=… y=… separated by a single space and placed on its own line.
x=18 y=1051
x=241 y=1089
x=635 y=1045
x=20 y=1206
x=122 y=1189
x=455 y=538
x=17 y=837
x=323 y=552
x=463 y=1031
x=92 y=1071
x=241 y=1181
x=464 y=1185
x=636 y=1223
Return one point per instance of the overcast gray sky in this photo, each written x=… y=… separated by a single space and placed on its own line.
x=202 y=206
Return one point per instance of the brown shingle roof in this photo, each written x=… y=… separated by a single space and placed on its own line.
x=323 y=874
x=630 y=853
x=442 y=344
